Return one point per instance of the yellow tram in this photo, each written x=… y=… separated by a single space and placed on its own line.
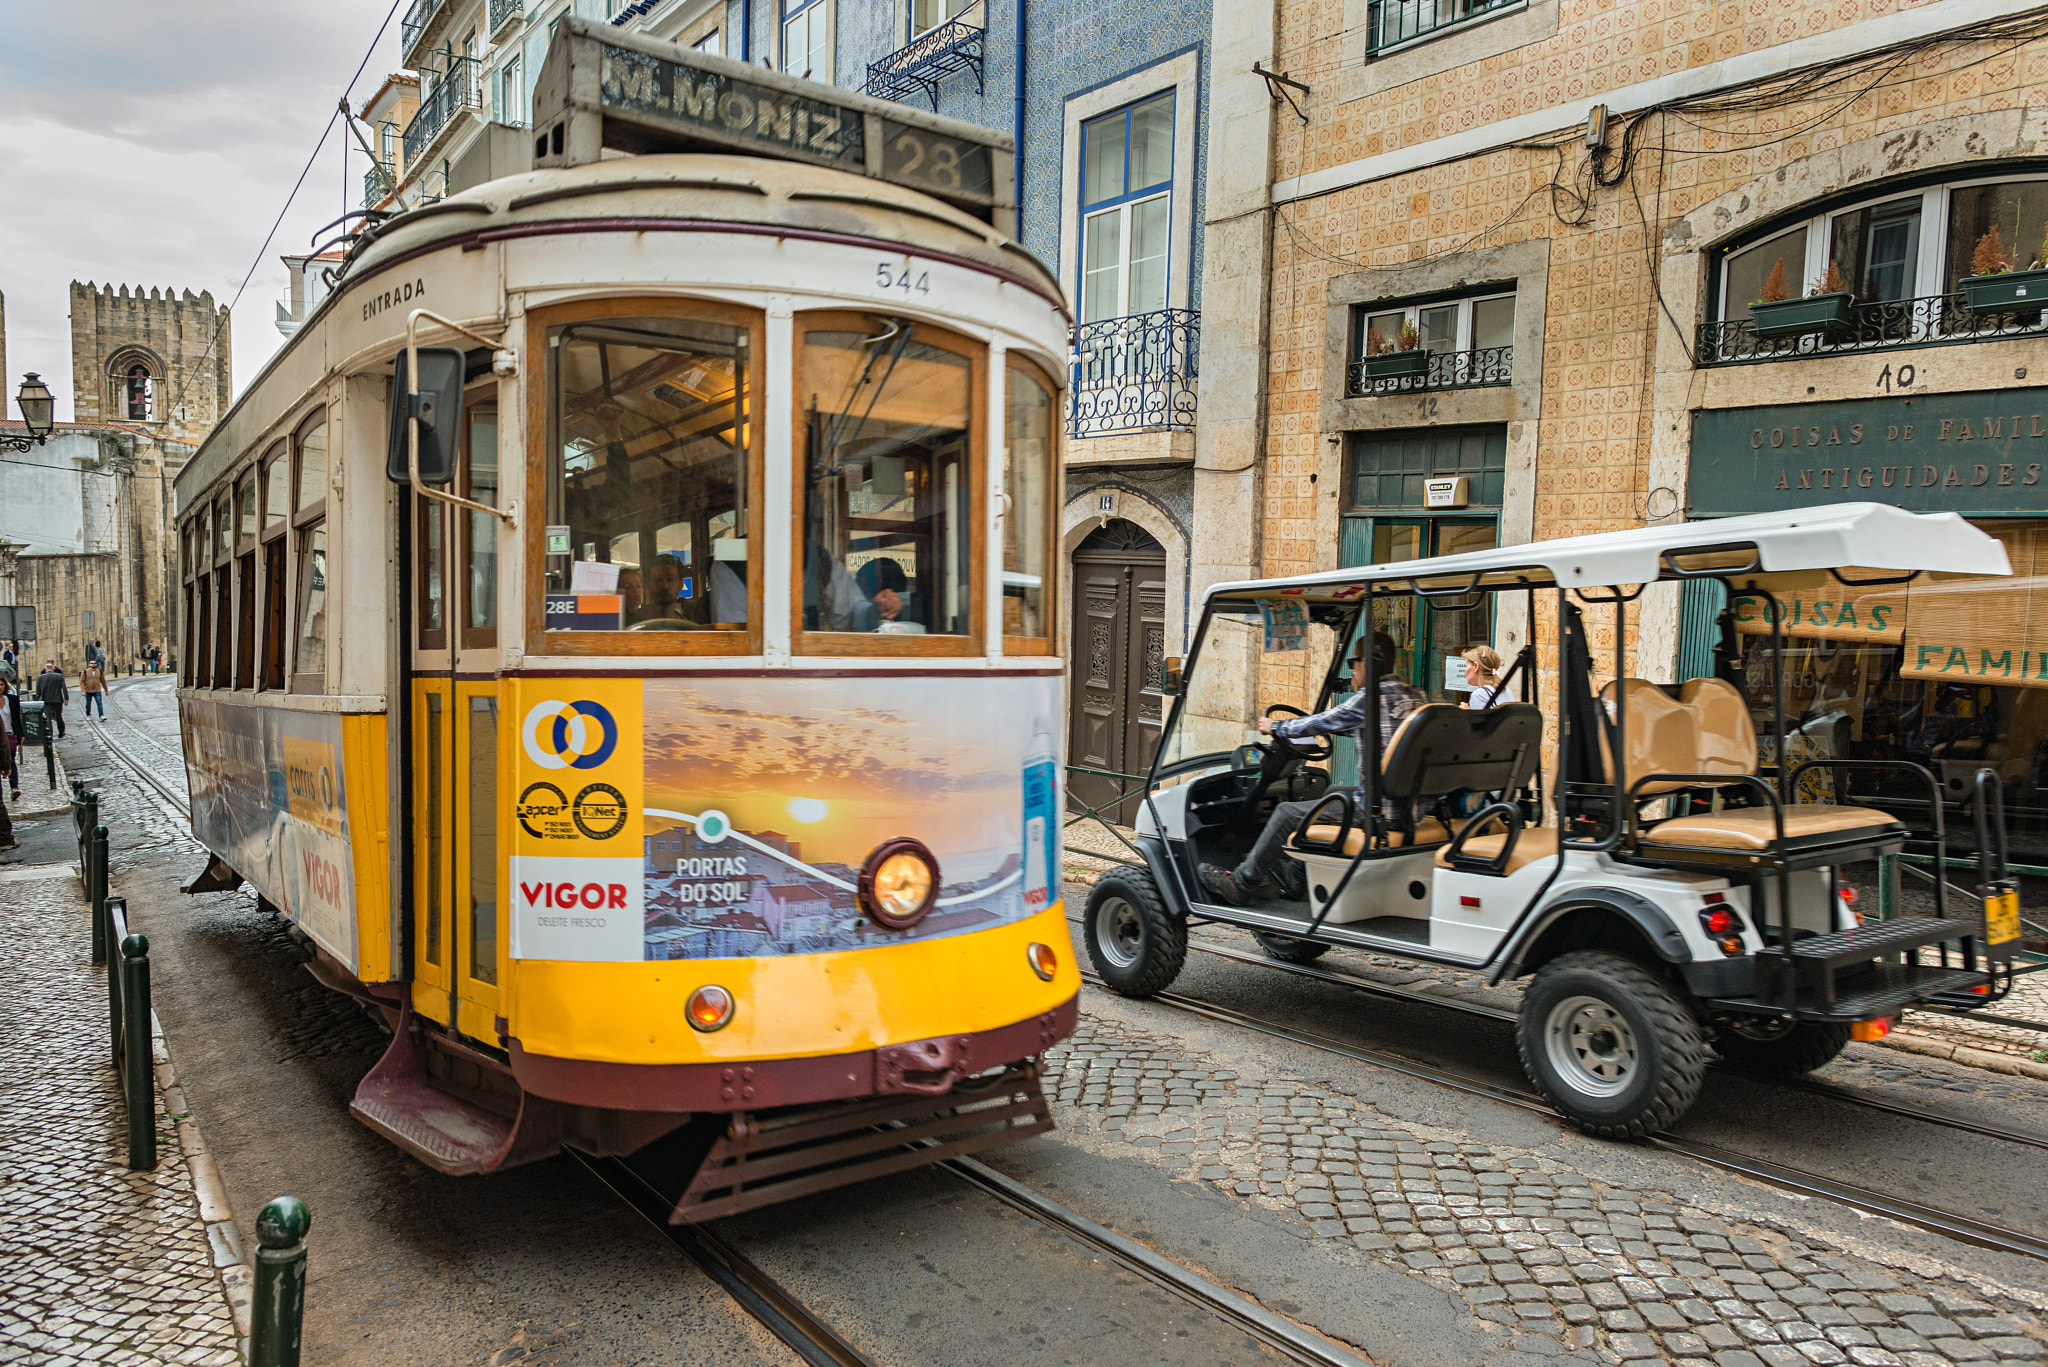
x=619 y=630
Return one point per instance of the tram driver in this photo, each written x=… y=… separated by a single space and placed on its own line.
x=1253 y=876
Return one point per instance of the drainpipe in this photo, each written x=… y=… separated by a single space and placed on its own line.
x=746 y=30
x=1021 y=50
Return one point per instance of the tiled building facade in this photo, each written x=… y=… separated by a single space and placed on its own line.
x=1451 y=156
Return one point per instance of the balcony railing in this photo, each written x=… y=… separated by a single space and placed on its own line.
x=456 y=92
x=1447 y=370
x=1135 y=374
x=504 y=12
x=1930 y=321
x=918 y=68
x=378 y=182
x=1389 y=23
x=414 y=26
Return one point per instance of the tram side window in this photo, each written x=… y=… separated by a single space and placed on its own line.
x=1027 y=480
x=311 y=659
x=652 y=418
x=888 y=486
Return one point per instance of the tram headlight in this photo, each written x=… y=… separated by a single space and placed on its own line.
x=709 y=1008
x=898 y=883
x=1043 y=961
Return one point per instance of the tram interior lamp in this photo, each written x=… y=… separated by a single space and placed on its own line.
x=38 y=406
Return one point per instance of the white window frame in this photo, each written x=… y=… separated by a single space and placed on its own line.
x=1127 y=211
x=512 y=92
x=910 y=16
x=1412 y=314
x=712 y=42
x=1934 y=208
x=809 y=13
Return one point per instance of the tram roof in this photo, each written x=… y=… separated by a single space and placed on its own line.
x=1865 y=540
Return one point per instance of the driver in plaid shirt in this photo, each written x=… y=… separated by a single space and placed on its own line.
x=1253 y=877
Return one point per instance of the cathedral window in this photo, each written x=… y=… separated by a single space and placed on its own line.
x=140 y=391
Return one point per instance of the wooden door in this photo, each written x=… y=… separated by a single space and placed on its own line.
x=1116 y=708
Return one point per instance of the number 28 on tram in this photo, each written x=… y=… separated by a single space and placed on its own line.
x=660 y=731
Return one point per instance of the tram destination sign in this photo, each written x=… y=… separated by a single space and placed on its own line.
x=600 y=89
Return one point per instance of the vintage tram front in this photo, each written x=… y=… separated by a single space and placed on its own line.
x=670 y=744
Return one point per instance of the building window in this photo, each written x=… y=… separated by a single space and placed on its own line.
x=807 y=41
x=1900 y=258
x=1126 y=210
x=139 y=388
x=926 y=15
x=1469 y=342
x=1394 y=23
x=512 y=94
x=711 y=43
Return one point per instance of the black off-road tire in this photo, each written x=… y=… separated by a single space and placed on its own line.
x=1665 y=1043
x=1288 y=950
x=1804 y=1047
x=1135 y=943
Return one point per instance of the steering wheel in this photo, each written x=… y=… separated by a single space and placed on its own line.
x=1314 y=748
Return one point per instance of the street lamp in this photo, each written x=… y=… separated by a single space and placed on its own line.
x=37 y=405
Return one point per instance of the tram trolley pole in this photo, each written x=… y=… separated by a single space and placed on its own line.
x=279 y=1313
x=128 y=1014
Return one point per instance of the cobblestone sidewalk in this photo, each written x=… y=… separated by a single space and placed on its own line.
x=1530 y=1245
x=97 y=1264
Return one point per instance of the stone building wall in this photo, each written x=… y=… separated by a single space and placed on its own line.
x=1405 y=175
x=184 y=340
x=63 y=588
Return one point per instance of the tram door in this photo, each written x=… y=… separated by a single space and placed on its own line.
x=455 y=730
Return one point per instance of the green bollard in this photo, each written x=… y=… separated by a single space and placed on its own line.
x=108 y=913
x=95 y=878
x=279 y=1313
x=138 y=1075
x=50 y=757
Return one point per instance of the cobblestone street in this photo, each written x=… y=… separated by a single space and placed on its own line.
x=1561 y=1261
x=97 y=1264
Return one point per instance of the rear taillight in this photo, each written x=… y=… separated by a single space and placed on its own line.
x=1723 y=923
x=1871 y=1030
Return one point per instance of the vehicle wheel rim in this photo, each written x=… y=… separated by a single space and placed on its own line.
x=1119 y=932
x=1592 y=1049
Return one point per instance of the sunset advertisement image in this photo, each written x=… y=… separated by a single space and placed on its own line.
x=715 y=818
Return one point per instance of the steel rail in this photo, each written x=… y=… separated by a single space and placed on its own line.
x=1283 y=1336
x=1499 y=1013
x=752 y=1289
x=1963 y=1228
x=179 y=802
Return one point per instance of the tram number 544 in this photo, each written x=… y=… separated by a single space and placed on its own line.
x=910 y=280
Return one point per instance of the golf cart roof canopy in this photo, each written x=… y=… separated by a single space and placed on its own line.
x=1854 y=541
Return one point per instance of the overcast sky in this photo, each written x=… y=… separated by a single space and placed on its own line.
x=153 y=144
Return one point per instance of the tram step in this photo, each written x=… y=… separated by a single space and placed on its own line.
x=1875 y=938
x=398 y=1100
x=773 y=1156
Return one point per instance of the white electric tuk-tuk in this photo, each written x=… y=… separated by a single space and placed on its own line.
x=1665 y=892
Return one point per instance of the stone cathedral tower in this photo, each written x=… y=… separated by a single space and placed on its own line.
x=160 y=358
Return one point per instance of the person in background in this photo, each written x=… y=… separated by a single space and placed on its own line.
x=7 y=758
x=1482 y=671
x=92 y=681
x=54 y=692
x=632 y=592
x=13 y=715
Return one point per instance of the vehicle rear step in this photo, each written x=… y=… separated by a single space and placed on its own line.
x=1893 y=986
x=1876 y=939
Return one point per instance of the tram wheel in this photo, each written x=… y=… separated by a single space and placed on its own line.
x=1288 y=950
x=1609 y=1044
x=1776 y=1049
x=1135 y=944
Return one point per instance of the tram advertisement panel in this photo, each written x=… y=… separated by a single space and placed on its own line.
x=267 y=797
x=714 y=818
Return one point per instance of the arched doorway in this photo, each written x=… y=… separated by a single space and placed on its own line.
x=1115 y=708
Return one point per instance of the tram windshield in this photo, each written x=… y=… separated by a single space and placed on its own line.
x=888 y=493
x=650 y=476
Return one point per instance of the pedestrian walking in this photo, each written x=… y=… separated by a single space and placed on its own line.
x=54 y=692
x=92 y=681
x=13 y=711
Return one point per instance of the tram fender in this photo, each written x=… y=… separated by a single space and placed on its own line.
x=1561 y=925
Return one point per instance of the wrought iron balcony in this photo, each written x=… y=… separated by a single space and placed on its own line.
x=1135 y=374
x=955 y=45
x=1935 y=320
x=1445 y=370
x=378 y=182
x=456 y=92
x=504 y=12
x=415 y=24
x=1390 y=23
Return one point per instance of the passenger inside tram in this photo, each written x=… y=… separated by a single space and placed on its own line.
x=651 y=419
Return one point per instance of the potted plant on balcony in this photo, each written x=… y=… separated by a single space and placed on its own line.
x=1776 y=312
x=1994 y=286
x=1403 y=358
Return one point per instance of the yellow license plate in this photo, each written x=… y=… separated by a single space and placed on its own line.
x=2002 y=917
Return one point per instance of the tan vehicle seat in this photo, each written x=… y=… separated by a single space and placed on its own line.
x=1535 y=842
x=1707 y=730
x=1428 y=831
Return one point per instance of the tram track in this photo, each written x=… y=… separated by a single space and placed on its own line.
x=178 y=801
x=1963 y=1228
